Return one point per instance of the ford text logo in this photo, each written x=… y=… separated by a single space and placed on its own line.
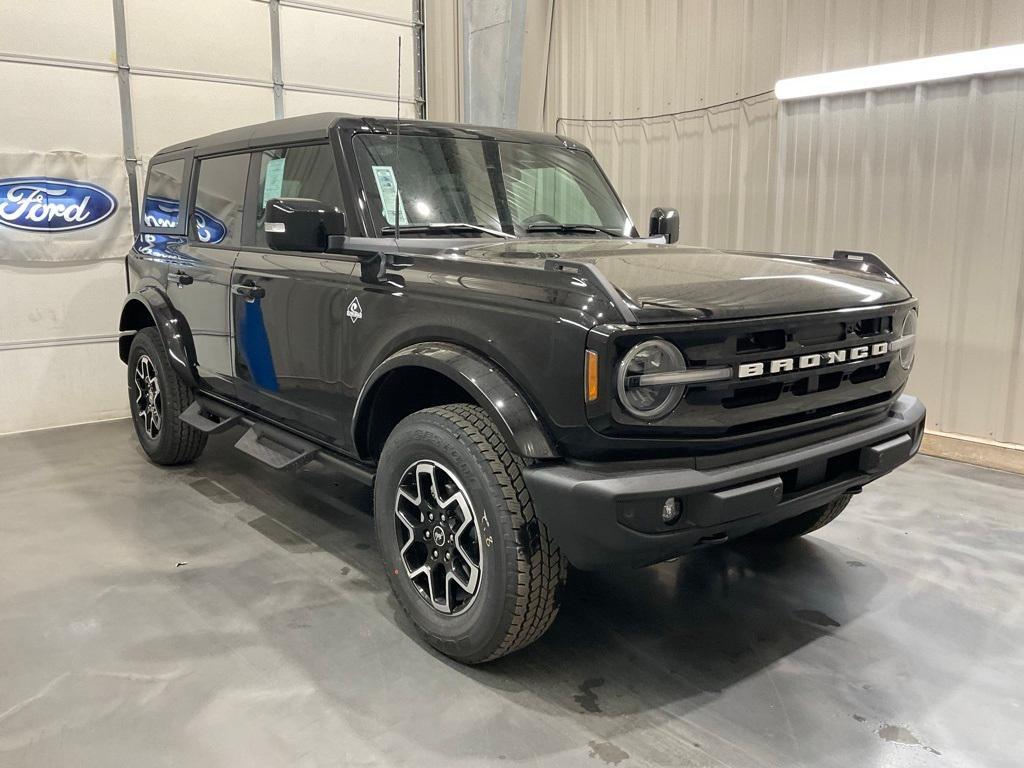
x=163 y=213
x=53 y=205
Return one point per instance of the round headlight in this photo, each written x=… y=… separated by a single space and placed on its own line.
x=907 y=338
x=650 y=402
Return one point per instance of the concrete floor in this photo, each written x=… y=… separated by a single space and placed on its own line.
x=222 y=614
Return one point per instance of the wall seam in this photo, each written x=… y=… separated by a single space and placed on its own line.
x=275 y=57
x=66 y=341
x=419 y=59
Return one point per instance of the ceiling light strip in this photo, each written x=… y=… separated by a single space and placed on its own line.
x=986 y=61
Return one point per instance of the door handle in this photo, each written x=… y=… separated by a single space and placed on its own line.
x=180 y=278
x=248 y=291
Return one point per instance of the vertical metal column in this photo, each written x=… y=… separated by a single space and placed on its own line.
x=420 y=75
x=124 y=89
x=275 y=58
x=493 y=35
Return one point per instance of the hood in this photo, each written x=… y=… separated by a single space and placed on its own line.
x=665 y=283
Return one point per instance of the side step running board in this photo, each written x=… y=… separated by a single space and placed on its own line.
x=273 y=446
x=210 y=417
x=276 y=448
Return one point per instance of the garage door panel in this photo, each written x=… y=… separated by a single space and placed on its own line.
x=29 y=124
x=344 y=52
x=211 y=36
x=61 y=300
x=82 y=30
x=45 y=386
x=399 y=9
x=170 y=110
x=300 y=103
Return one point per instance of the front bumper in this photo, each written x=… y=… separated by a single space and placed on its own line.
x=609 y=514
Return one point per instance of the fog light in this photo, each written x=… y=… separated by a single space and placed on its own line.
x=670 y=511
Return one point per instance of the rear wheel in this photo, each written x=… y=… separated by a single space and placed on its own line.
x=157 y=397
x=804 y=523
x=468 y=560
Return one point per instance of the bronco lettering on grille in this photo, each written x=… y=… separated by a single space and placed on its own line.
x=816 y=360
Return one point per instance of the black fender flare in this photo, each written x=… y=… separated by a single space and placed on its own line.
x=170 y=324
x=489 y=386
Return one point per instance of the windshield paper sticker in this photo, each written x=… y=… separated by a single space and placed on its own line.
x=384 y=175
x=273 y=180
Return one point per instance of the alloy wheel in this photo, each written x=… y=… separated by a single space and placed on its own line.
x=148 y=403
x=439 y=537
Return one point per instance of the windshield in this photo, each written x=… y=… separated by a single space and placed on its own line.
x=514 y=188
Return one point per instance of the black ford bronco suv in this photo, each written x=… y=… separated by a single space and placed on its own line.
x=467 y=319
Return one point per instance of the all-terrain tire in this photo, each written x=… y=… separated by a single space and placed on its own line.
x=805 y=522
x=522 y=569
x=175 y=442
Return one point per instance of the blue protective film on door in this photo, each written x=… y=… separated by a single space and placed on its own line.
x=255 y=346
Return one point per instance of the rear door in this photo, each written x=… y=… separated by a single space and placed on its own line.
x=290 y=326
x=199 y=282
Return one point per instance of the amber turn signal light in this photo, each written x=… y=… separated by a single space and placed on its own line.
x=591 y=371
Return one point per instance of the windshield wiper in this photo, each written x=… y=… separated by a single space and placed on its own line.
x=566 y=229
x=454 y=226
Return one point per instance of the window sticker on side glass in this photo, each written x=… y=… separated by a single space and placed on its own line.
x=273 y=180
x=387 y=186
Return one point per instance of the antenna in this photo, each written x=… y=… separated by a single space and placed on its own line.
x=398 y=147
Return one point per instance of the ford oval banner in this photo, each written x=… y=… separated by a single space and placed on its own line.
x=47 y=204
x=63 y=206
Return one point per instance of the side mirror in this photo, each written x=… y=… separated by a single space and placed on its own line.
x=301 y=224
x=665 y=221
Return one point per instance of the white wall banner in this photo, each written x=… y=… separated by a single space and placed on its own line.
x=63 y=207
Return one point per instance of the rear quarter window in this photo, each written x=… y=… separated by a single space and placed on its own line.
x=161 y=207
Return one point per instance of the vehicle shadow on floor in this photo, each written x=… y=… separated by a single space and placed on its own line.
x=626 y=642
x=689 y=629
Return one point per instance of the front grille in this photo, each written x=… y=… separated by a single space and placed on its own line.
x=761 y=341
x=816 y=396
x=746 y=395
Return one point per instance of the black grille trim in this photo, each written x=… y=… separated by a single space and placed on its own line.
x=749 y=411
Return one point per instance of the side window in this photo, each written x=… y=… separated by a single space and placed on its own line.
x=220 y=192
x=296 y=172
x=160 y=208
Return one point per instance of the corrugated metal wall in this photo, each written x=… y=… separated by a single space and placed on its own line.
x=929 y=177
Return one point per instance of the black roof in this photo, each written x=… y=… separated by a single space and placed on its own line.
x=319 y=126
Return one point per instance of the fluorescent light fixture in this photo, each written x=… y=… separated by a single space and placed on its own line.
x=1005 y=58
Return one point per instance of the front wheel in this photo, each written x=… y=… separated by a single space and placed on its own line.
x=467 y=558
x=157 y=396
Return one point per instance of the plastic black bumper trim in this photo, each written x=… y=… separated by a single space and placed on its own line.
x=581 y=503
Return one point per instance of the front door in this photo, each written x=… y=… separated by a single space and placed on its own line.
x=289 y=309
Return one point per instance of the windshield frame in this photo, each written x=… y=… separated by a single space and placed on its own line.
x=374 y=223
